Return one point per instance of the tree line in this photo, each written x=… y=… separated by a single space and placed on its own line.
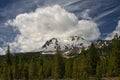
x=94 y=62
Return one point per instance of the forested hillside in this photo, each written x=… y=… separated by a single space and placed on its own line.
x=95 y=62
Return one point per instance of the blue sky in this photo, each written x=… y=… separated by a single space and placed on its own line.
x=104 y=13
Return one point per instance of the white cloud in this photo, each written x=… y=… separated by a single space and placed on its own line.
x=2 y=51
x=85 y=14
x=46 y=23
x=117 y=30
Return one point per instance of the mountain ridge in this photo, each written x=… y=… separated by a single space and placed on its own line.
x=72 y=43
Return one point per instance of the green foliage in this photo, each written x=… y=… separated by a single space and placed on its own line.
x=68 y=68
x=58 y=66
x=114 y=58
x=92 y=58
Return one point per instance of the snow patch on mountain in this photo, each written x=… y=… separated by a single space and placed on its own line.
x=73 y=42
x=102 y=43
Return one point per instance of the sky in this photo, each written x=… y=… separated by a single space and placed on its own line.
x=32 y=22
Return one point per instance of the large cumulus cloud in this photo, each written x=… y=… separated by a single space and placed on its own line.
x=50 y=22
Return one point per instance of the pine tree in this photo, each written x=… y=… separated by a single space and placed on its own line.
x=75 y=74
x=9 y=62
x=59 y=66
x=83 y=65
x=93 y=58
x=113 y=64
x=101 y=68
x=68 y=68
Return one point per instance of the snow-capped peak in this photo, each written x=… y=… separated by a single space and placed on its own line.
x=73 y=42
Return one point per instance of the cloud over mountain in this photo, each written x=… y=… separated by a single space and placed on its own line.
x=50 y=22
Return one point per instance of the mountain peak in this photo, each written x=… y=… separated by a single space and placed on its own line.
x=73 y=42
